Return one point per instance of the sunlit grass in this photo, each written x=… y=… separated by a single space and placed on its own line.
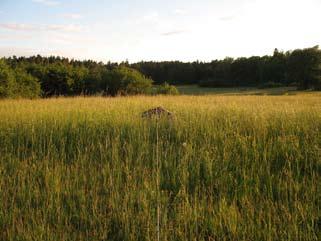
x=232 y=168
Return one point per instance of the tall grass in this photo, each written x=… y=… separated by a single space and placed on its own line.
x=230 y=168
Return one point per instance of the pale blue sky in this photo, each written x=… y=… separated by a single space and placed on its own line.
x=137 y=30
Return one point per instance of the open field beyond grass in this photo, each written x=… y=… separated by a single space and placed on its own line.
x=196 y=90
x=226 y=168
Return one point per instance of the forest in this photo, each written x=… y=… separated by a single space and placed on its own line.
x=37 y=76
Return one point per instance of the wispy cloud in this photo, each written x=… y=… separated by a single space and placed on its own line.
x=47 y=2
x=227 y=18
x=149 y=17
x=67 y=39
x=180 y=11
x=66 y=28
x=18 y=26
x=37 y=27
x=173 y=32
x=7 y=51
x=15 y=37
x=72 y=15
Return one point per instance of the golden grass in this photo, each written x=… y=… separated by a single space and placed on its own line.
x=231 y=168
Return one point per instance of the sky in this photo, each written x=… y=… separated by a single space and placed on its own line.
x=136 y=30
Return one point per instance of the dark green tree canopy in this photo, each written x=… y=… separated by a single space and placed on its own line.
x=54 y=76
x=125 y=81
x=16 y=82
x=7 y=81
x=304 y=67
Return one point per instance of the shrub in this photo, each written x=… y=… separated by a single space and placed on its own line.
x=27 y=86
x=167 y=89
x=125 y=81
x=17 y=83
x=57 y=81
x=7 y=80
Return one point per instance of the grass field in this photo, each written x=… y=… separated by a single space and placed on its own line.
x=196 y=90
x=226 y=168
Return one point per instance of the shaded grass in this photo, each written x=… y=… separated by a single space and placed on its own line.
x=232 y=168
x=196 y=90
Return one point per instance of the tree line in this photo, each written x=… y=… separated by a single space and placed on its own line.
x=301 y=68
x=36 y=76
x=55 y=76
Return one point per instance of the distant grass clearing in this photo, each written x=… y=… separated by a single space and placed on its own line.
x=196 y=90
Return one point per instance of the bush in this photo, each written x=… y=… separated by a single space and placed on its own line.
x=27 y=86
x=125 y=81
x=166 y=89
x=57 y=81
x=7 y=81
x=17 y=83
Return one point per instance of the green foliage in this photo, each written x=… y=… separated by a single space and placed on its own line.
x=79 y=74
x=300 y=66
x=93 y=81
x=126 y=81
x=7 y=80
x=63 y=77
x=57 y=80
x=166 y=89
x=305 y=67
x=27 y=86
x=17 y=83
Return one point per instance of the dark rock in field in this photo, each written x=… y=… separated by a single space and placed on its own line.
x=158 y=112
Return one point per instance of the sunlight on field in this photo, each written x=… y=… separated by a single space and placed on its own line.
x=231 y=168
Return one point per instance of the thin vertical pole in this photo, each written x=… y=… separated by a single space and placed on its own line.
x=157 y=181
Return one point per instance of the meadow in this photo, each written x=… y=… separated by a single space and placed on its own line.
x=226 y=168
x=196 y=90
